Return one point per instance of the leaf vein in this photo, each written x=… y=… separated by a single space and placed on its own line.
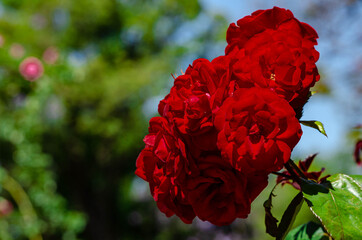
x=339 y=215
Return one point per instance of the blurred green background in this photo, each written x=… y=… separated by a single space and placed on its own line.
x=69 y=139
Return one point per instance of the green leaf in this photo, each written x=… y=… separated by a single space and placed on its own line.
x=270 y=220
x=316 y=125
x=308 y=231
x=339 y=210
x=289 y=216
x=312 y=188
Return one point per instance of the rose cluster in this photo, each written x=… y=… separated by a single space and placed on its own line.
x=228 y=123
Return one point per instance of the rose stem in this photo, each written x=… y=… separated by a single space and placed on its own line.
x=293 y=165
x=292 y=173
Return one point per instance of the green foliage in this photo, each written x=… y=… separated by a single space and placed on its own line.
x=69 y=140
x=289 y=216
x=339 y=210
x=279 y=231
x=308 y=231
x=271 y=223
x=316 y=125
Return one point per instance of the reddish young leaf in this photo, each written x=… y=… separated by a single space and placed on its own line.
x=304 y=166
x=357 y=152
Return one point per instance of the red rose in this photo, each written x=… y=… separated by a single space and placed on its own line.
x=258 y=130
x=220 y=194
x=191 y=101
x=164 y=163
x=283 y=47
x=240 y=71
x=208 y=188
x=272 y=20
x=228 y=123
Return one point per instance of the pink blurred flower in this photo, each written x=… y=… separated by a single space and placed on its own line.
x=2 y=40
x=16 y=50
x=31 y=68
x=51 y=55
x=6 y=208
x=38 y=21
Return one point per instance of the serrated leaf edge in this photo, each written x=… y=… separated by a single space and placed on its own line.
x=316 y=215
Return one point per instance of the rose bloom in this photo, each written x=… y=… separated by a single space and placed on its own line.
x=284 y=49
x=191 y=101
x=164 y=163
x=257 y=130
x=186 y=160
x=31 y=68
x=207 y=187
x=228 y=123
x=220 y=194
